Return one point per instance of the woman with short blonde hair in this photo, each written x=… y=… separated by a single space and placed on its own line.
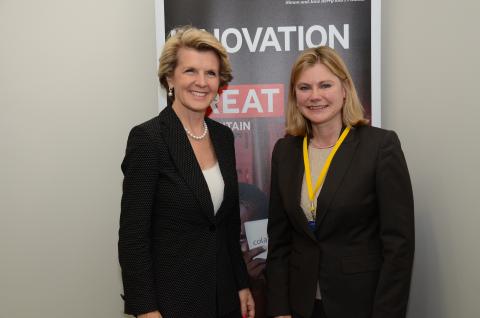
x=179 y=238
x=201 y=40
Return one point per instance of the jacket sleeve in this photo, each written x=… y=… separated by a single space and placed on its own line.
x=239 y=268
x=279 y=245
x=134 y=247
x=395 y=203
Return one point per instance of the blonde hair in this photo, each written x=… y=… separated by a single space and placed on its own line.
x=353 y=113
x=191 y=37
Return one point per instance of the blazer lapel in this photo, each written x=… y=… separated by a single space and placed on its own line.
x=335 y=175
x=184 y=159
x=297 y=180
x=225 y=159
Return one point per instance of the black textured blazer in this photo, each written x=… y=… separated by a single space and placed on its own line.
x=362 y=249
x=176 y=256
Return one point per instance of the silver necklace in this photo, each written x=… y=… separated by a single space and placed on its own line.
x=205 y=131
x=324 y=147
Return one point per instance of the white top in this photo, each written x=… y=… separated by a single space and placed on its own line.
x=215 y=183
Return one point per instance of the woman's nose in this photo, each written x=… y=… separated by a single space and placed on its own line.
x=316 y=94
x=201 y=80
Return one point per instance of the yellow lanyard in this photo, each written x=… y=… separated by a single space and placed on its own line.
x=321 y=177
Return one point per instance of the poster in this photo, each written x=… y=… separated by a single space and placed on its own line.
x=263 y=38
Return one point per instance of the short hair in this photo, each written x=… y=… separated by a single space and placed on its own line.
x=191 y=37
x=253 y=198
x=353 y=113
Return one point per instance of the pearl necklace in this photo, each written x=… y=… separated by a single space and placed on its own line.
x=205 y=131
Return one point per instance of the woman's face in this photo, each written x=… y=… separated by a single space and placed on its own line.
x=320 y=95
x=196 y=79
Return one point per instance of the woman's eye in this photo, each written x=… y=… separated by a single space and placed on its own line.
x=189 y=70
x=325 y=85
x=303 y=88
x=212 y=74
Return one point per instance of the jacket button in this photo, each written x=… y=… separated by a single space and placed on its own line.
x=212 y=228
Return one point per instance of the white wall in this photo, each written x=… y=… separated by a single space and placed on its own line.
x=74 y=78
x=430 y=96
x=76 y=75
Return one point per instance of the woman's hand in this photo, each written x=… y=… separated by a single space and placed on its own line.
x=153 y=314
x=247 y=305
x=255 y=267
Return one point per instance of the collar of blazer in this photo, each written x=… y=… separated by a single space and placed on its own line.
x=333 y=180
x=184 y=159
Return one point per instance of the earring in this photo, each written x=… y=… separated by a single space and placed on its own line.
x=214 y=103
x=170 y=92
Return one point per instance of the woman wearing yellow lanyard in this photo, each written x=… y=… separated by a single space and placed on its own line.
x=341 y=229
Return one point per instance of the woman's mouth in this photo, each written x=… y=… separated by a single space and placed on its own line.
x=317 y=107
x=199 y=94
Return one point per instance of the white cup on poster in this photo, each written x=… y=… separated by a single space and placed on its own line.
x=256 y=232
